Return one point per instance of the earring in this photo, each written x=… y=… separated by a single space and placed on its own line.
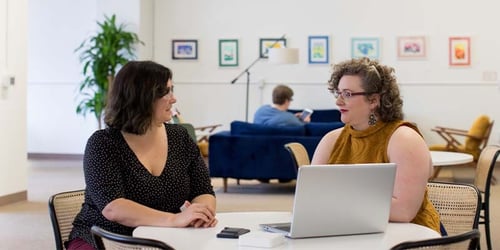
x=372 y=119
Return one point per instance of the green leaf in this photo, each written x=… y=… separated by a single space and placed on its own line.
x=101 y=55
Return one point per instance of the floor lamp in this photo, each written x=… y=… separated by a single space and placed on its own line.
x=276 y=56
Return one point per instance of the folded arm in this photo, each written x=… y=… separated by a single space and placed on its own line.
x=200 y=213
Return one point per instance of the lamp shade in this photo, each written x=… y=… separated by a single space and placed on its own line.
x=284 y=55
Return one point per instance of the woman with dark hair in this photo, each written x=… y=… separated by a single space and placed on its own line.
x=370 y=105
x=141 y=170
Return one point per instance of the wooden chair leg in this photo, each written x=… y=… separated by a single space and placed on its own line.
x=437 y=169
x=224 y=183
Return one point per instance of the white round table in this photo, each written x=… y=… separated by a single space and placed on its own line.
x=205 y=238
x=445 y=158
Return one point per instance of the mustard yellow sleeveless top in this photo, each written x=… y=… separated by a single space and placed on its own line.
x=370 y=146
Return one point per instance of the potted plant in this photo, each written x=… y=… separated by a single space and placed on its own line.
x=101 y=56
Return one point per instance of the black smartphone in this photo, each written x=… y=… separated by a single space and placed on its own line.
x=232 y=232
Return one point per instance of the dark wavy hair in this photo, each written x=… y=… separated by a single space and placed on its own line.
x=136 y=87
x=376 y=79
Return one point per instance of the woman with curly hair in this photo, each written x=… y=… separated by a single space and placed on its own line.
x=368 y=98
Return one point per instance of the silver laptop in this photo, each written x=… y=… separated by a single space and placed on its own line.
x=340 y=199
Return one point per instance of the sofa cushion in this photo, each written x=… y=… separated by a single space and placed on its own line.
x=321 y=128
x=246 y=128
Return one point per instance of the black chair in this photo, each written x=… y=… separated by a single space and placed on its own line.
x=108 y=240
x=63 y=207
x=465 y=241
x=482 y=180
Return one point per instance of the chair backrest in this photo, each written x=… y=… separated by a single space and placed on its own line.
x=458 y=205
x=479 y=133
x=464 y=241
x=485 y=165
x=109 y=241
x=298 y=153
x=63 y=207
x=190 y=129
x=487 y=134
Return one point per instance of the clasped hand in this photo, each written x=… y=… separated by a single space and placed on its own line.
x=196 y=215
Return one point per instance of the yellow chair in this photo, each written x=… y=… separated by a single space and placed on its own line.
x=298 y=153
x=476 y=138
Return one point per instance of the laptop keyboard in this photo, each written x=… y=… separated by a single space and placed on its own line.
x=284 y=228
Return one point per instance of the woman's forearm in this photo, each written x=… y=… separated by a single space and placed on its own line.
x=206 y=199
x=133 y=214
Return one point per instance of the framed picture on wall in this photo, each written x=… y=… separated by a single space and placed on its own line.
x=411 y=47
x=365 y=47
x=185 y=49
x=459 y=51
x=228 y=52
x=318 y=50
x=267 y=43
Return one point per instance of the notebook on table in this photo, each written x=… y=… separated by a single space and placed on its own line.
x=339 y=199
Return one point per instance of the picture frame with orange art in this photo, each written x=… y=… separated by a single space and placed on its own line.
x=459 y=51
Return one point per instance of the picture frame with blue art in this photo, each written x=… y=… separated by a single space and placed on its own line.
x=184 y=49
x=365 y=47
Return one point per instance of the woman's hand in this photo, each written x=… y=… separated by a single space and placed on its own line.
x=196 y=215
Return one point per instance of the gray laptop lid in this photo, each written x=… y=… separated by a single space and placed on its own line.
x=342 y=199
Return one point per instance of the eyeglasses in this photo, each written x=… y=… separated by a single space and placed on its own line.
x=170 y=92
x=346 y=94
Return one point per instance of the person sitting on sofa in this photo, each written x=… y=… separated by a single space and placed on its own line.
x=371 y=107
x=277 y=114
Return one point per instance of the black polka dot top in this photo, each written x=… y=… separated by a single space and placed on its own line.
x=113 y=171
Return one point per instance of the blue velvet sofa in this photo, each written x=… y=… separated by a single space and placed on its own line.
x=253 y=151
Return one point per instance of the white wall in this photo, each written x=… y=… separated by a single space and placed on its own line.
x=56 y=29
x=13 y=62
x=434 y=93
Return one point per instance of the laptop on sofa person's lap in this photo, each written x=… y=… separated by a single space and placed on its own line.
x=339 y=199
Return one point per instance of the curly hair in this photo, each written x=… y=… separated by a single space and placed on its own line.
x=376 y=79
x=136 y=87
